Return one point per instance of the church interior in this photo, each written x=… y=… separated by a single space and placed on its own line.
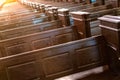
x=59 y=39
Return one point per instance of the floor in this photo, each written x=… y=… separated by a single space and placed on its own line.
x=93 y=74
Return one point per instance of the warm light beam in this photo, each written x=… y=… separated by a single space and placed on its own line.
x=2 y=2
x=8 y=1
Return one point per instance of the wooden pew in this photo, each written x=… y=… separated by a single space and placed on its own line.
x=17 y=12
x=29 y=29
x=94 y=28
x=66 y=19
x=44 y=2
x=47 y=63
x=65 y=16
x=29 y=22
x=23 y=23
x=99 y=8
x=89 y=22
x=57 y=4
x=110 y=29
x=115 y=3
x=72 y=5
x=33 y=6
x=13 y=12
x=13 y=18
x=37 y=40
x=78 y=8
x=90 y=17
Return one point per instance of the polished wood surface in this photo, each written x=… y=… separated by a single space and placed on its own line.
x=48 y=63
x=30 y=29
x=55 y=50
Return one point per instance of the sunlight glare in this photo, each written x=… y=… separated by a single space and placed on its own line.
x=2 y=2
x=6 y=1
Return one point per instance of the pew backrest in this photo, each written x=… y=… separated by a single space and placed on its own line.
x=56 y=61
x=19 y=16
x=37 y=40
x=93 y=16
x=30 y=29
x=23 y=23
x=95 y=9
x=78 y=8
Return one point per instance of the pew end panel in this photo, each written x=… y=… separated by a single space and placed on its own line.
x=110 y=28
x=82 y=25
x=111 y=31
x=87 y=23
x=53 y=13
x=64 y=16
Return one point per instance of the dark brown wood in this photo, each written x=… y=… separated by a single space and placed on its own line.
x=102 y=2
x=37 y=40
x=111 y=30
x=29 y=29
x=42 y=7
x=98 y=8
x=21 y=17
x=47 y=63
x=88 y=1
x=82 y=23
x=64 y=16
x=53 y=13
x=80 y=7
x=60 y=3
x=16 y=14
x=87 y=23
x=118 y=3
x=23 y=23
